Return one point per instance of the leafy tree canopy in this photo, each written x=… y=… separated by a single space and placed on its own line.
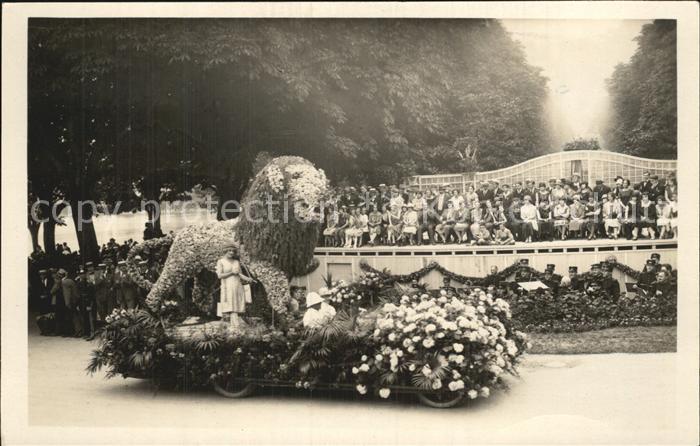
x=643 y=96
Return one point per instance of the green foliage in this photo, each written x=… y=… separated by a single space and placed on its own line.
x=570 y=310
x=643 y=93
x=581 y=144
x=180 y=101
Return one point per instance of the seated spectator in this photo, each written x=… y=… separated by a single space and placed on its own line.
x=410 y=225
x=577 y=215
x=629 y=218
x=514 y=218
x=488 y=217
x=503 y=236
x=647 y=217
x=673 y=214
x=428 y=221
x=374 y=223
x=461 y=226
x=393 y=229
x=483 y=236
x=342 y=226
x=528 y=214
x=663 y=217
x=545 y=221
x=329 y=232
x=561 y=218
x=612 y=210
x=446 y=226
x=592 y=215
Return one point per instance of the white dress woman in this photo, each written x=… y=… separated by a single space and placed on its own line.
x=232 y=303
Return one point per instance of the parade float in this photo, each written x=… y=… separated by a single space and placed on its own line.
x=385 y=338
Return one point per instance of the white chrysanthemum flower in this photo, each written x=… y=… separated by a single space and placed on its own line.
x=459 y=348
x=426 y=370
x=355 y=370
x=384 y=393
x=361 y=388
x=472 y=394
x=485 y=392
x=428 y=342
x=392 y=337
x=437 y=384
x=378 y=357
x=364 y=368
x=430 y=328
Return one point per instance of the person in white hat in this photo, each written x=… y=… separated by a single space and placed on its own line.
x=318 y=312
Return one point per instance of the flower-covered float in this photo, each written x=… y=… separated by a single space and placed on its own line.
x=384 y=339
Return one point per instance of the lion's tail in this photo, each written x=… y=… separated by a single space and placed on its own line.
x=137 y=252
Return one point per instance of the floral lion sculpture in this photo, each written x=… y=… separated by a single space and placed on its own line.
x=276 y=234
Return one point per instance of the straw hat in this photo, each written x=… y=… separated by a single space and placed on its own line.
x=312 y=299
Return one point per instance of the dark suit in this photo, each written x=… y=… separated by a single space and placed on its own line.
x=439 y=203
x=484 y=195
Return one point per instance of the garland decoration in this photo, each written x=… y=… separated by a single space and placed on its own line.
x=473 y=280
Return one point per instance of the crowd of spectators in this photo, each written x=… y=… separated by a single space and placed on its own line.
x=502 y=214
x=79 y=296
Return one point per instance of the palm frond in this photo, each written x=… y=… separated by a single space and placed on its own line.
x=208 y=344
x=328 y=280
x=388 y=378
x=418 y=379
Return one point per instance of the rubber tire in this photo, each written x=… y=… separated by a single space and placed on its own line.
x=426 y=399
x=246 y=391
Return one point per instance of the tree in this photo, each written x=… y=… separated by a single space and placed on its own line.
x=643 y=118
x=581 y=144
x=181 y=102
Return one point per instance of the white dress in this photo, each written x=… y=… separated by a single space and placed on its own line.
x=232 y=293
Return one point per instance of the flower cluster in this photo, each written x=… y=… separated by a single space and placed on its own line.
x=307 y=184
x=442 y=344
x=275 y=177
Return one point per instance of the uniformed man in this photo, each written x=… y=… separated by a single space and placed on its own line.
x=523 y=273
x=449 y=289
x=646 y=278
x=572 y=281
x=610 y=286
x=549 y=279
x=594 y=279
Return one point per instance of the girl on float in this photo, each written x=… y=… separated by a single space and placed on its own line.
x=232 y=300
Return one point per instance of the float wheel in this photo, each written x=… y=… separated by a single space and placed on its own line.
x=441 y=400
x=232 y=388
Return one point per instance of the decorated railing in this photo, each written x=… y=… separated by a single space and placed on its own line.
x=591 y=165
